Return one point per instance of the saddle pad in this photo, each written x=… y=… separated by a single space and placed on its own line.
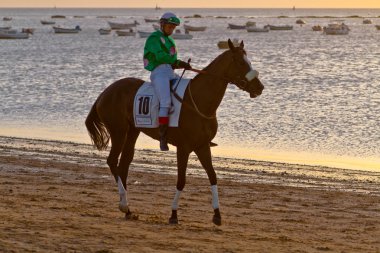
x=146 y=105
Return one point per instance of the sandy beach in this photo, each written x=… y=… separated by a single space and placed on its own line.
x=61 y=197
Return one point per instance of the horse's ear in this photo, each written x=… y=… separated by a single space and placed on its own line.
x=231 y=45
x=241 y=44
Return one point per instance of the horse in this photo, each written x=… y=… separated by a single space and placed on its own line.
x=111 y=118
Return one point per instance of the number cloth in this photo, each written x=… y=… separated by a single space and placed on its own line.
x=146 y=105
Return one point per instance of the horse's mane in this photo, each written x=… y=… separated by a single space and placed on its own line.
x=217 y=59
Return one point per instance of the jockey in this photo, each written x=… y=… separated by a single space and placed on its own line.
x=160 y=57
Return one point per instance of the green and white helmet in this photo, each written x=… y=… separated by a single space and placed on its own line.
x=170 y=18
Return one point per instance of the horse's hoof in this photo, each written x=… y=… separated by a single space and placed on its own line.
x=124 y=209
x=173 y=221
x=217 y=220
x=130 y=216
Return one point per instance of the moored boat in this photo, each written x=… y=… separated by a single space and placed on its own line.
x=7 y=18
x=367 y=21
x=236 y=27
x=143 y=34
x=58 y=29
x=121 y=26
x=104 y=31
x=13 y=34
x=129 y=32
x=194 y=28
x=178 y=35
x=377 y=27
x=317 y=28
x=224 y=44
x=46 y=22
x=300 y=22
x=58 y=16
x=257 y=29
x=151 y=20
x=280 y=27
x=336 y=29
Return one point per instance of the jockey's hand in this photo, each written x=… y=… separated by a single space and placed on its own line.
x=184 y=65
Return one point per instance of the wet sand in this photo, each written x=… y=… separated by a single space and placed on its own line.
x=60 y=197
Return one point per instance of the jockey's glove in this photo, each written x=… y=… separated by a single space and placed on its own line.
x=183 y=65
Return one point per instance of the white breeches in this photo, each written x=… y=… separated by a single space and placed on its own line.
x=160 y=78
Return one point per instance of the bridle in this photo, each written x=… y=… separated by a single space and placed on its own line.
x=239 y=81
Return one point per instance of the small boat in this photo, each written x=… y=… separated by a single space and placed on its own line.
x=13 y=34
x=66 y=30
x=236 y=27
x=46 y=22
x=256 y=29
x=105 y=17
x=143 y=34
x=377 y=27
x=156 y=27
x=317 y=28
x=178 y=35
x=151 y=20
x=224 y=44
x=5 y=28
x=250 y=23
x=336 y=29
x=121 y=26
x=7 y=18
x=129 y=32
x=28 y=30
x=300 y=22
x=367 y=21
x=58 y=16
x=194 y=28
x=104 y=31
x=280 y=27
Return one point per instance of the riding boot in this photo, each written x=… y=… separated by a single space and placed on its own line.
x=163 y=140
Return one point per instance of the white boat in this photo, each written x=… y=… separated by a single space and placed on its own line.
x=143 y=34
x=66 y=30
x=236 y=27
x=178 y=35
x=367 y=21
x=46 y=22
x=152 y=20
x=129 y=32
x=104 y=31
x=256 y=29
x=13 y=34
x=156 y=26
x=377 y=27
x=300 y=22
x=121 y=26
x=194 y=28
x=336 y=29
x=224 y=44
x=280 y=27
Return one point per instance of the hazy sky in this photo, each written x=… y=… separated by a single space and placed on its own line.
x=195 y=3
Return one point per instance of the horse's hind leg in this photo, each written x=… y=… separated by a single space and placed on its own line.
x=123 y=168
x=117 y=140
x=204 y=155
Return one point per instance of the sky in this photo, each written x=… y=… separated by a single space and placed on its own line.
x=194 y=3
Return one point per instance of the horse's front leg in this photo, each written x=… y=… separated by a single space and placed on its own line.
x=123 y=169
x=182 y=159
x=204 y=155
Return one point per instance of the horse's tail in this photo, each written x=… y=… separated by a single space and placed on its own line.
x=97 y=130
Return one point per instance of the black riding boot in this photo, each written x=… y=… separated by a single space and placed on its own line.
x=163 y=140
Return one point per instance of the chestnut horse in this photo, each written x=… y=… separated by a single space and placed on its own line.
x=111 y=116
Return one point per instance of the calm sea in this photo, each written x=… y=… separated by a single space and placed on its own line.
x=321 y=102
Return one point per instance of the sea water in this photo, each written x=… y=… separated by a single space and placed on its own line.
x=321 y=102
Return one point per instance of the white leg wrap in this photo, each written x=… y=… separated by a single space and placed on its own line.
x=122 y=193
x=175 y=200
x=215 y=197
